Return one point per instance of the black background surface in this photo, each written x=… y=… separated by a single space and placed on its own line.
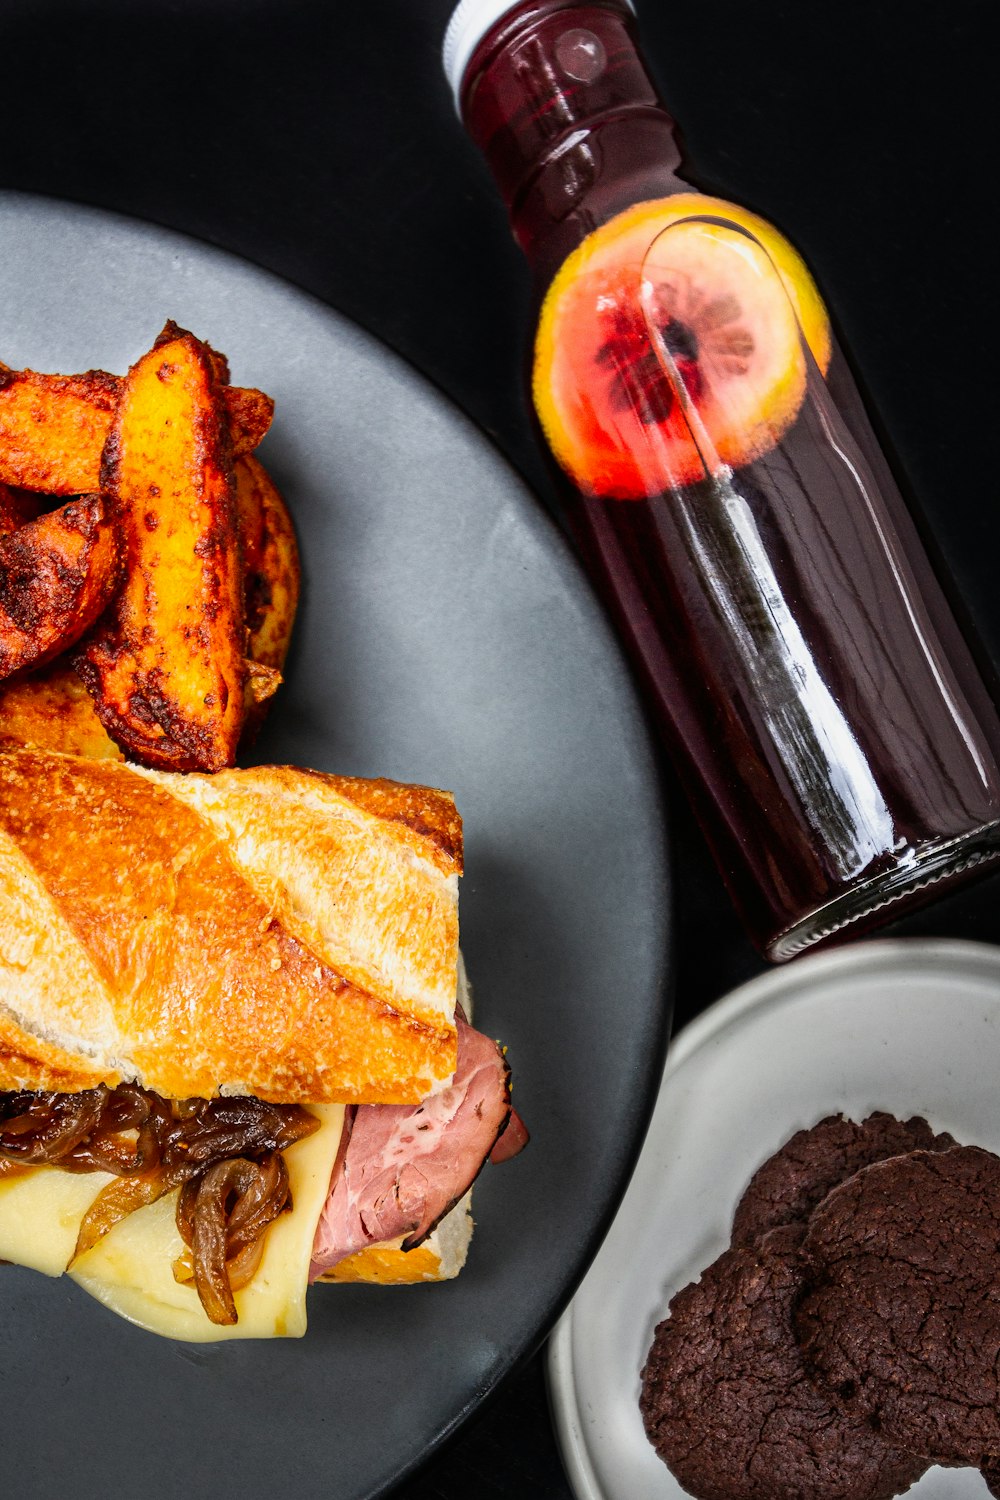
x=318 y=139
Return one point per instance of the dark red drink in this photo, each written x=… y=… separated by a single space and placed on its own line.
x=730 y=498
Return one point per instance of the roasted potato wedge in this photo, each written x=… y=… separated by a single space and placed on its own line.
x=53 y=710
x=271 y=563
x=57 y=574
x=249 y=516
x=272 y=580
x=53 y=427
x=165 y=666
x=249 y=413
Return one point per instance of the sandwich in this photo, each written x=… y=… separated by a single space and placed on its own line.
x=235 y=1050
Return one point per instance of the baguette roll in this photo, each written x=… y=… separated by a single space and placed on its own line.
x=269 y=931
x=131 y=1269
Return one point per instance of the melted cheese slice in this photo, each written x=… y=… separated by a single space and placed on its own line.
x=131 y=1269
x=41 y=1213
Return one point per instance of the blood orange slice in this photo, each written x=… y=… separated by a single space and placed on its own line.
x=674 y=342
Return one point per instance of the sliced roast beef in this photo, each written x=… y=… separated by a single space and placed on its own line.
x=512 y=1139
x=405 y=1166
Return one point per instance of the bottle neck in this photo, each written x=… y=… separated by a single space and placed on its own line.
x=558 y=100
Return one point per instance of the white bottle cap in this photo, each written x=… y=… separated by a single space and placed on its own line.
x=470 y=21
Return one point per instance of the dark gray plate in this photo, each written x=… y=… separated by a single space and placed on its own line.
x=446 y=636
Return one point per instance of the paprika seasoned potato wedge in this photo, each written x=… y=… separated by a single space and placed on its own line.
x=57 y=573
x=271 y=561
x=53 y=427
x=52 y=710
x=271 y=583
x=249 y=414
x=249 y=516
x=165 y=665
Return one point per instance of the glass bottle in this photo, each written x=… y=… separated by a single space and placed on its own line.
x=729 y=495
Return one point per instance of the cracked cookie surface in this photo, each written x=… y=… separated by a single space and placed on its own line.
x=902 y=1321
x=728 y=1405
x=792 y=1182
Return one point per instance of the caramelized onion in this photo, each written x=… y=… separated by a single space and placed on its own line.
x=222 y=1215
x=44 y=1127
x=114 y=1203
x=240 y=1271
x=222 y=1128
x=208 y=1242
x=129 y=1130
x=183 y=1267
x=264 y=1199
x=223 y=1153
x=127 y=1139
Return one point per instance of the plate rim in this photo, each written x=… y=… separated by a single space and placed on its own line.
x=772 y=988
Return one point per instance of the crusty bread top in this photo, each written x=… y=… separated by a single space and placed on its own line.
x=268 y=931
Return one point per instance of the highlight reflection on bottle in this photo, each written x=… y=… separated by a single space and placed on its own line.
x=731 y=500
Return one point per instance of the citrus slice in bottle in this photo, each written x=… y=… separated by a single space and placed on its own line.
x=674 y=341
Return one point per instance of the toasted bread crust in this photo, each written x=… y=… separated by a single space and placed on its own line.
x=271 y=931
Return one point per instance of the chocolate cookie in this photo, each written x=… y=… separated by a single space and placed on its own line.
x=991 y=1473
x=727 y=1403
x=794 y=1180
x=903 y=1319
